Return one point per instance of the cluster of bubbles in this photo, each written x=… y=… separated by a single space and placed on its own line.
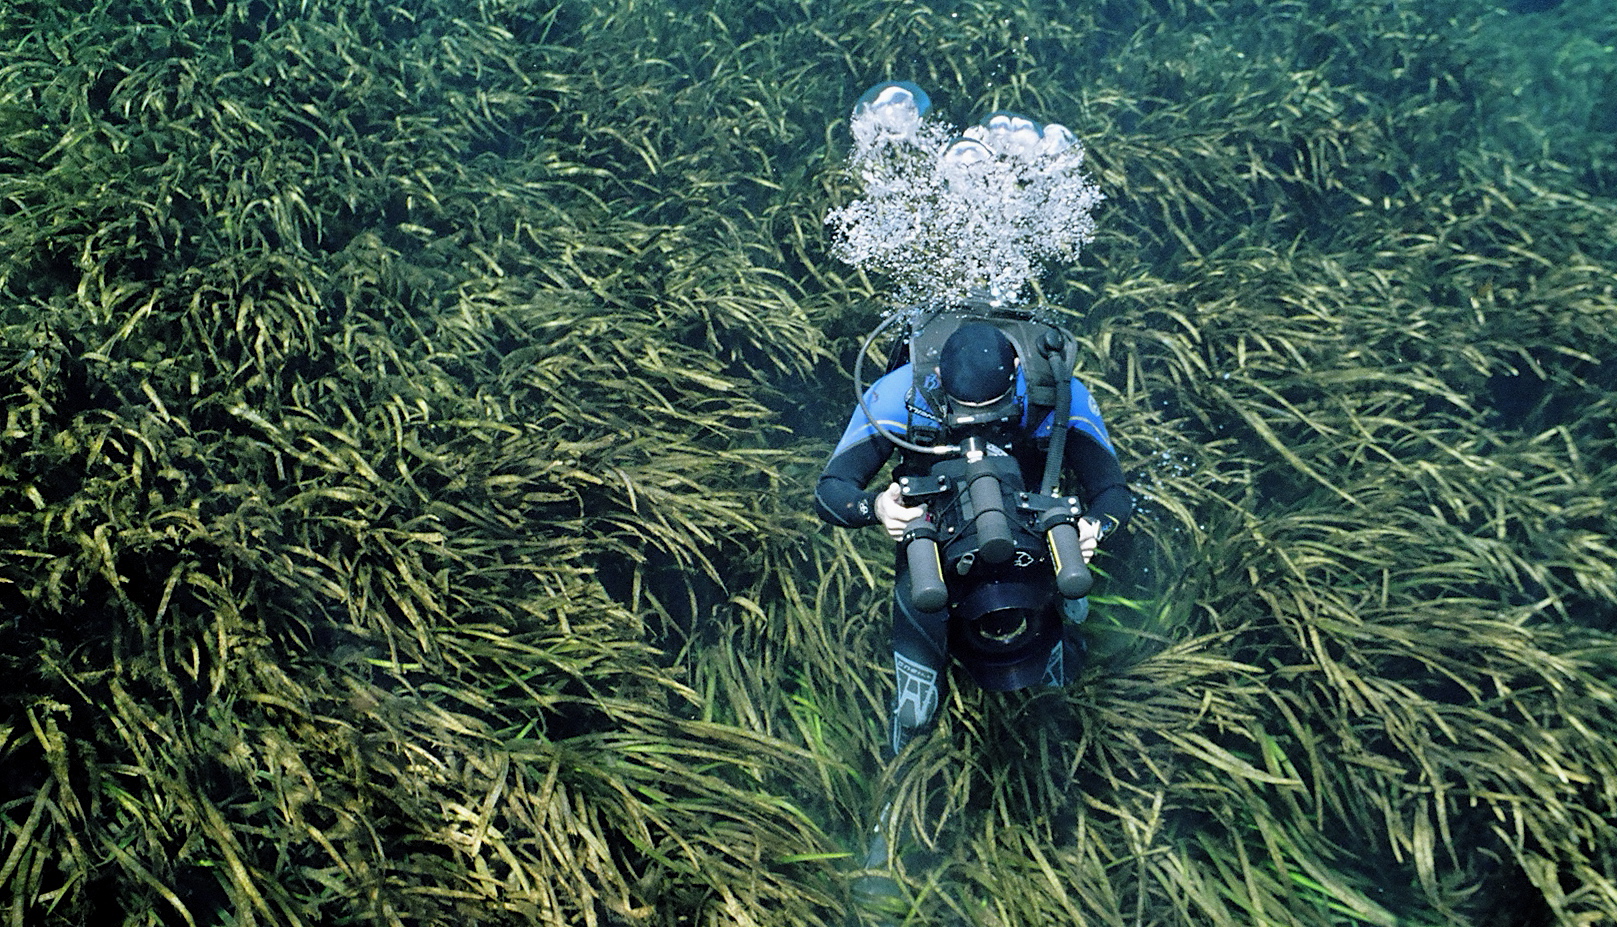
x=945 y=215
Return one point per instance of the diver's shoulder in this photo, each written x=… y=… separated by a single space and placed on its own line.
x=892 y=387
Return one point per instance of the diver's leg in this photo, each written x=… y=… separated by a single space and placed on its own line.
x=1067 y=656
x=920 y=656
x=916 y=700
x=1074 y=611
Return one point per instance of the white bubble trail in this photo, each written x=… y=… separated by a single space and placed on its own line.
x=947 y=214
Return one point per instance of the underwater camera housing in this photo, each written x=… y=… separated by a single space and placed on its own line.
x=998 y=555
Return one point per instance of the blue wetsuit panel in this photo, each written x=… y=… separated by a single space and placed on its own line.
x=886 y=400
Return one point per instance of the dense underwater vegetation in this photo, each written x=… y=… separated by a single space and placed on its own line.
x=410 y=413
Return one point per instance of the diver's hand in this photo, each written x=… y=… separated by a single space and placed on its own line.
x=1088 y=537
x=894 y=514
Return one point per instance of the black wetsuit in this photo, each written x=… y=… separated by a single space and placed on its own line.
x=1089 y=466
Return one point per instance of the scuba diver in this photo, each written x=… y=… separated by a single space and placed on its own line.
x=979 y=399
x=991 y=563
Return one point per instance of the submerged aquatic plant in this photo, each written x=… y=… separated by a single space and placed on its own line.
x=405 y=453
x=357 y=436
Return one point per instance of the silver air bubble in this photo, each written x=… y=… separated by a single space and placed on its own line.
x=945 y=214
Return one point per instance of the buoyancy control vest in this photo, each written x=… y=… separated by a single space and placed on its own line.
x=1047 y=353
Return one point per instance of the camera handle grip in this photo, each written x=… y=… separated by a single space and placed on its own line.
x=1060 y=526
x=928 y=593
x=1073 y=578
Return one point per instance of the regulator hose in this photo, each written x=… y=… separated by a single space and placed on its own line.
x=859 y=391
